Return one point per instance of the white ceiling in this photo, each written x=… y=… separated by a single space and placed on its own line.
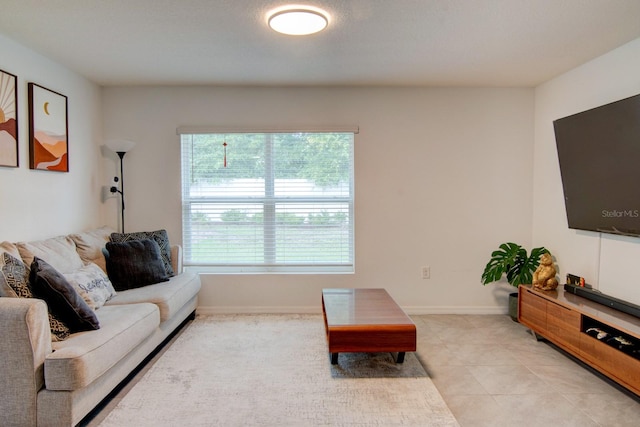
x=368 y=42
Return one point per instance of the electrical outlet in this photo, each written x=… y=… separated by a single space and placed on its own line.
x=426 y=272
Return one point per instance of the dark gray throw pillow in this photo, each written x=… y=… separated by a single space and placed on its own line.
x=63 y=301
x=135 y=264
x=15 y=274
x=159 y=236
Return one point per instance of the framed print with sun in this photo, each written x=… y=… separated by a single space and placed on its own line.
x=48 y=130
x=8 y=120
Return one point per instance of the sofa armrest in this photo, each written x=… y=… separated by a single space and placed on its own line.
x=176 y=258
x=25 y=341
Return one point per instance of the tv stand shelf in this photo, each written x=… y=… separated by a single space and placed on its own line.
x=605 y=339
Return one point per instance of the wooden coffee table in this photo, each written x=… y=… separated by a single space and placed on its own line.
x=366 y=320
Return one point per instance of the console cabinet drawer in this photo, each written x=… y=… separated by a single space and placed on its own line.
x=563 y=317
x=533 y=310
x=564 y=324
x=534 y=301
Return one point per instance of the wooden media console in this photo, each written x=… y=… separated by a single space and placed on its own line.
x=605 y=339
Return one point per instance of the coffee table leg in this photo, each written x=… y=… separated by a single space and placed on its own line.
x=400 y=358
x=334 y=358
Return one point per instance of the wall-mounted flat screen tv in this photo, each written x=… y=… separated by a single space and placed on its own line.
x=599 y=154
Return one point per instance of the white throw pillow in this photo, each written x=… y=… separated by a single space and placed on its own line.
x=92 y=284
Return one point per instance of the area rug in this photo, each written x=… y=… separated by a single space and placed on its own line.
x=274 y=370
x=376 y=365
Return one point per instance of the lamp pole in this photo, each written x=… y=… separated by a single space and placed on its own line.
x=121 y=155
x=120 y=147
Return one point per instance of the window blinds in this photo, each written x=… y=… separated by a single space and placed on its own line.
x=264 y=201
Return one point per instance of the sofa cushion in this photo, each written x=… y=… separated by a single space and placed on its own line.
x=14 y=280
x=159 y=236
x=92 y=284
x=85 y=356
x=169 y=296
x=59 y=252
x=134 y=264
x=89 y=245
x=63 y=301
x=10 y=248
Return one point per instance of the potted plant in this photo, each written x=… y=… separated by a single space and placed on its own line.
x=513 y=261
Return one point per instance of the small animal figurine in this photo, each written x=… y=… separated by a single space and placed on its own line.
x=544 y=278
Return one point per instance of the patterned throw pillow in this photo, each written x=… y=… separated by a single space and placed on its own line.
x=92 y=284
x=161 y=238
x=5 y=289
x=8 y=274
x=15 y=275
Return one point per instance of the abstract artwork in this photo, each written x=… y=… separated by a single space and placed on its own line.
x=48 y=130
x=8 y=120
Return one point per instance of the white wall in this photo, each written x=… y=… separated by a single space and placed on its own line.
x=39 y=204
x=442 y=176
x=608 y=262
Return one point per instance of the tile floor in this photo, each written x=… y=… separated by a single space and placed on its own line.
x=491 y=371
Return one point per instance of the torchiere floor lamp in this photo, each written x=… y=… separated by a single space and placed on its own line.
x=120 y=147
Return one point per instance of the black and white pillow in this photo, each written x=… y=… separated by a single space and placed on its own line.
x=92 y=284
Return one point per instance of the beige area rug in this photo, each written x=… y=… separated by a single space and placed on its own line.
x=274 y=370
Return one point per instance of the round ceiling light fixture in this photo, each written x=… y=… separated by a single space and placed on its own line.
x=298 y=20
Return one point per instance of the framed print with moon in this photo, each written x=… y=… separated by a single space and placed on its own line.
x=8 y=120
x=48 y=130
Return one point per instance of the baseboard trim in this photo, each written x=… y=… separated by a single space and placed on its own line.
x=417 y=310
x=209 y=310
x=411 y=310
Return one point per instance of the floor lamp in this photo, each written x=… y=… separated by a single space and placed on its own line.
x=120 y=147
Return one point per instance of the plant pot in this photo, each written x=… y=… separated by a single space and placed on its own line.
x=513 y=306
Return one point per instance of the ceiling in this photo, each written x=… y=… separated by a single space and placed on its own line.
x=368 y=42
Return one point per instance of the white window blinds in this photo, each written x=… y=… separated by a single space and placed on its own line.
x=261 y=202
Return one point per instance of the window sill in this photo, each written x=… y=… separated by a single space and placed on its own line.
x=245 y=269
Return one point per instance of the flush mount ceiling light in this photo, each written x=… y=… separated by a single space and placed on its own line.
x=298 y=20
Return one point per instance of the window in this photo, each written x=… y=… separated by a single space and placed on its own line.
x=268 y=202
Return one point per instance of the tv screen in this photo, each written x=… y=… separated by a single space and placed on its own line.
x=599 y=154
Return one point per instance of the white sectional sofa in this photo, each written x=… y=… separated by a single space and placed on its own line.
x=45 y=383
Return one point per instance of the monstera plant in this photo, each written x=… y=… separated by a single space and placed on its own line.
x=513 y=261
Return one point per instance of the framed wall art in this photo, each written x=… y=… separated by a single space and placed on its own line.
x=48 y=130
x=8 y=120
